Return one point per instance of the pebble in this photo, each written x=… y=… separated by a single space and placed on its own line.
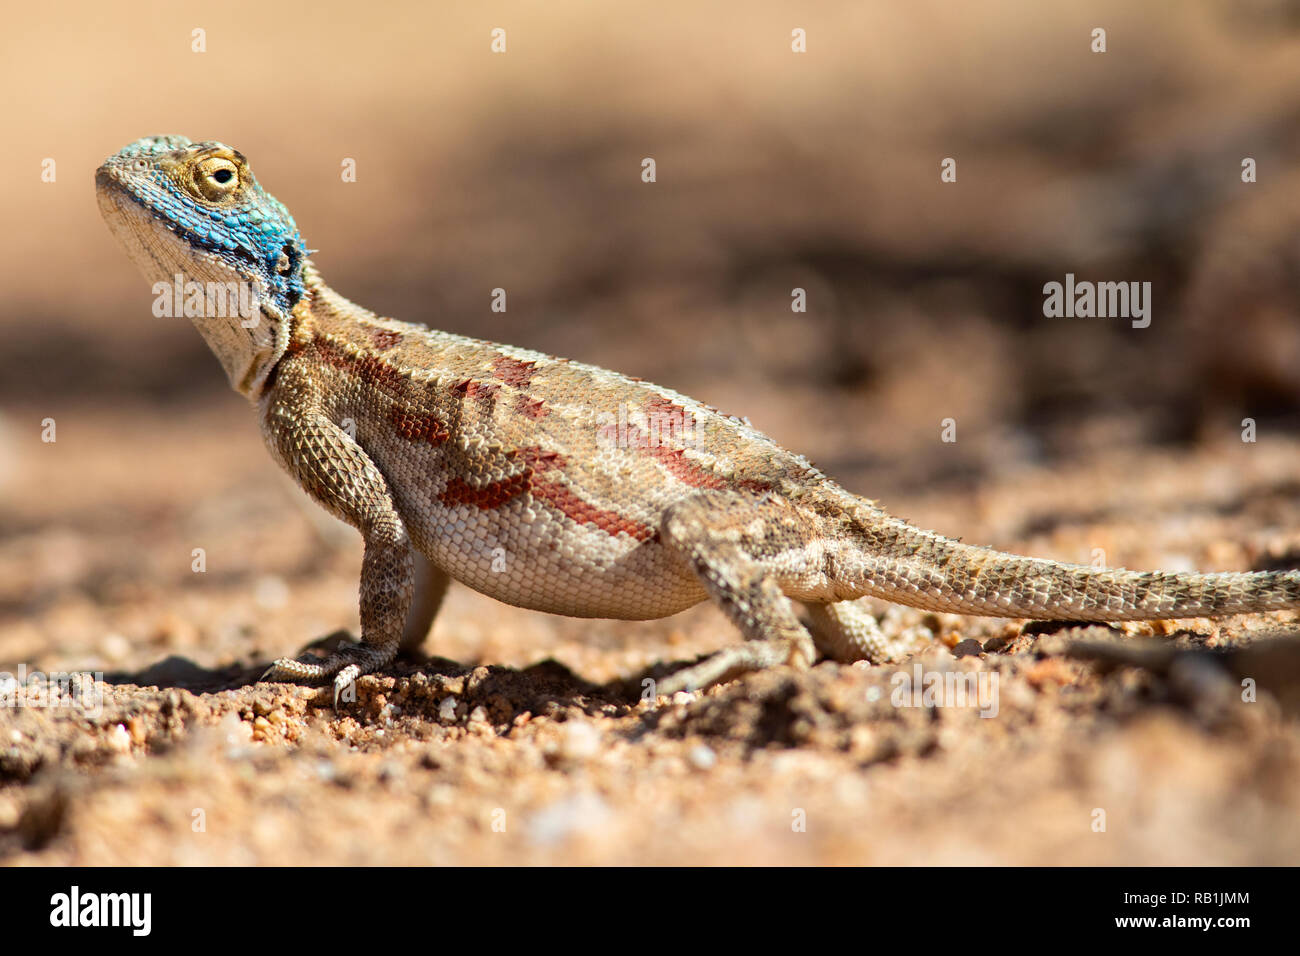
x=702 y=757
x=115 y=647
x=233 y=731
x=578 y=741
x=565 y=817
x=119 y=739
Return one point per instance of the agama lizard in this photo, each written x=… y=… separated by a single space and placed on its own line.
x=558 y=486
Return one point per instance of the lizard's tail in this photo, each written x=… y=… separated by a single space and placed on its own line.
x=908 y=565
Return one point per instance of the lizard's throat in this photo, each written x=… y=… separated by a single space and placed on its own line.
x=246 y=348
x=229 y=304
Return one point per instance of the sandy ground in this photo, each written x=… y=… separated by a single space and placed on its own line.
x=525 y=741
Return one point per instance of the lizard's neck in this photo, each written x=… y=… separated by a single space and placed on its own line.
x=303 y=320
x=321 y=310
x=324 y=312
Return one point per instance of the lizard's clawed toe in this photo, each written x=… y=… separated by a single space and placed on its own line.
x=344 y=682
x=291 y=671
x=345 y=665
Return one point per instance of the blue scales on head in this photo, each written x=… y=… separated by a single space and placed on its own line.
x=207 y=193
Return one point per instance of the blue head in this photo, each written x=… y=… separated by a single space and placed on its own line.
x=195 y=211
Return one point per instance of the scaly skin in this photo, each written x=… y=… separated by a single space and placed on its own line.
x=558 y=486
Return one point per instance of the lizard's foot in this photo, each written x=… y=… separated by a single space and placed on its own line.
x=847 y=631
x=743 y=658
x=345 y=665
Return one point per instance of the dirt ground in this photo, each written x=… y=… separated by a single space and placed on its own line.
x=524 y=738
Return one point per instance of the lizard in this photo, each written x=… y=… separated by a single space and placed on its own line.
x=559 y=486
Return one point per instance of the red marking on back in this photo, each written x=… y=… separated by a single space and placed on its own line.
x=669 y=421
x=538 y=462
x=663 y=406
x=472 y=389
x=417 y=427
x=541 y=459
x=515 y=373
x=368 y=368
x=532 y=408
x=486 y=497
x=566 y=501
x=684 y=470
x=696 y=475
x=385 y=339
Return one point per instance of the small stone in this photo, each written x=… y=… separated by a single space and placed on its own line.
x=119 y=739
x=447 y=709
x=233 y=731
x=702 y=757
x=567 y=817
x=115 y=647
x=968 y=648
x=578 y=741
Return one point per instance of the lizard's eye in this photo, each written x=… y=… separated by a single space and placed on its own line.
x=216 y=178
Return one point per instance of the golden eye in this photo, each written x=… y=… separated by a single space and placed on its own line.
x=216 y=178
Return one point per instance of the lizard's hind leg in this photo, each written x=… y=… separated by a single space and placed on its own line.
x=741 y=545
x=847 y=631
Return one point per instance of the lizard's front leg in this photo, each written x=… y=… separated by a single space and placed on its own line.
x=335 y=471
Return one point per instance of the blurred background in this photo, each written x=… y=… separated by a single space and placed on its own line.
x=775 y=170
